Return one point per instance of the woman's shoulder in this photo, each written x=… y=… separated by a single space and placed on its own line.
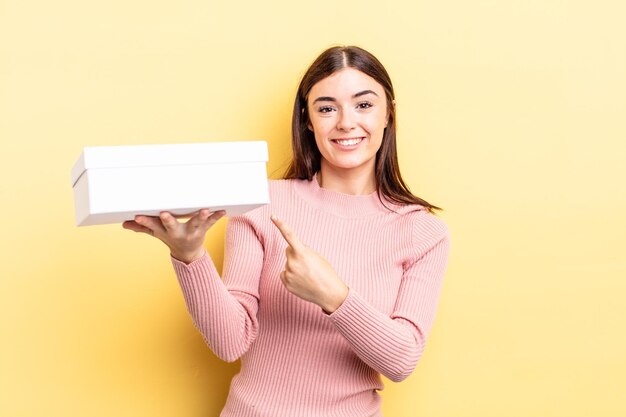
x=285 y=188
x=278 y=191
x=424 y=224
x=280 y=185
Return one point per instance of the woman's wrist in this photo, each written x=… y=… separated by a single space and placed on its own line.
x=336 y=300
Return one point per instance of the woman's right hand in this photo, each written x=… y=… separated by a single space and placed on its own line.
x=185 y=239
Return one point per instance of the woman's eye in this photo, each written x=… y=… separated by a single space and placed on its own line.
x=325 y=109
x=364 y=105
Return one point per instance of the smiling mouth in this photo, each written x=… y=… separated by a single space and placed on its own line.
x=347 y=141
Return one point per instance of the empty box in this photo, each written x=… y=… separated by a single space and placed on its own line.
x=114 y=183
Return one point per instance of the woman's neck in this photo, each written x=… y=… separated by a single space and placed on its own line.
x=355 y=181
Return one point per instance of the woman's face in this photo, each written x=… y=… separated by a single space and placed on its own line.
x=348 y=115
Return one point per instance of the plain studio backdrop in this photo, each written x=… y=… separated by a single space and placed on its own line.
x=511 y=118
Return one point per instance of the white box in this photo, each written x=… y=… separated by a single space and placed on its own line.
x=114 y=183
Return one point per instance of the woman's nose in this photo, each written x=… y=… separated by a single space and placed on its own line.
x=345 y=121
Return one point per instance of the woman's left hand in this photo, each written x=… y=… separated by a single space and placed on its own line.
x=308 y=275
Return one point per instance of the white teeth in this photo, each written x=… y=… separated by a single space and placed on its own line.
x=348 y=142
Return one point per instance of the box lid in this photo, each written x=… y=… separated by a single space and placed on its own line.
x=168 y=154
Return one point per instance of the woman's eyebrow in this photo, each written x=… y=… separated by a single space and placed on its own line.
x=324 y=99
x=364 y=92
x=359 y=94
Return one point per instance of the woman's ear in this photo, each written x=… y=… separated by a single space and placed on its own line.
x=393 y=103
x=308 y=122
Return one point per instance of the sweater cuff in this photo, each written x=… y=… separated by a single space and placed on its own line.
x=351 y=307
x=186 y=266
x=202 y=266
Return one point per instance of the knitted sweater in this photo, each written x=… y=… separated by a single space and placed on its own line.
x=296 y=360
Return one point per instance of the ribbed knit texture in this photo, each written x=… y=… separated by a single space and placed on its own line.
x=297 y=361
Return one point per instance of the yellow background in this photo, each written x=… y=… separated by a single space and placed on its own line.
x=511 y=117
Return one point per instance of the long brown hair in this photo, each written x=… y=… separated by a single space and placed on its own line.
x=306 y=156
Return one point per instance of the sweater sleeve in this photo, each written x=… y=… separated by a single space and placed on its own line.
x=225 y=312
x=393 y=344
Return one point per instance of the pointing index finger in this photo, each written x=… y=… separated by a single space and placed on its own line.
x=287 y=233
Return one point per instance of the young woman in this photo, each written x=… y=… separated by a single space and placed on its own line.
x=336 y=281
